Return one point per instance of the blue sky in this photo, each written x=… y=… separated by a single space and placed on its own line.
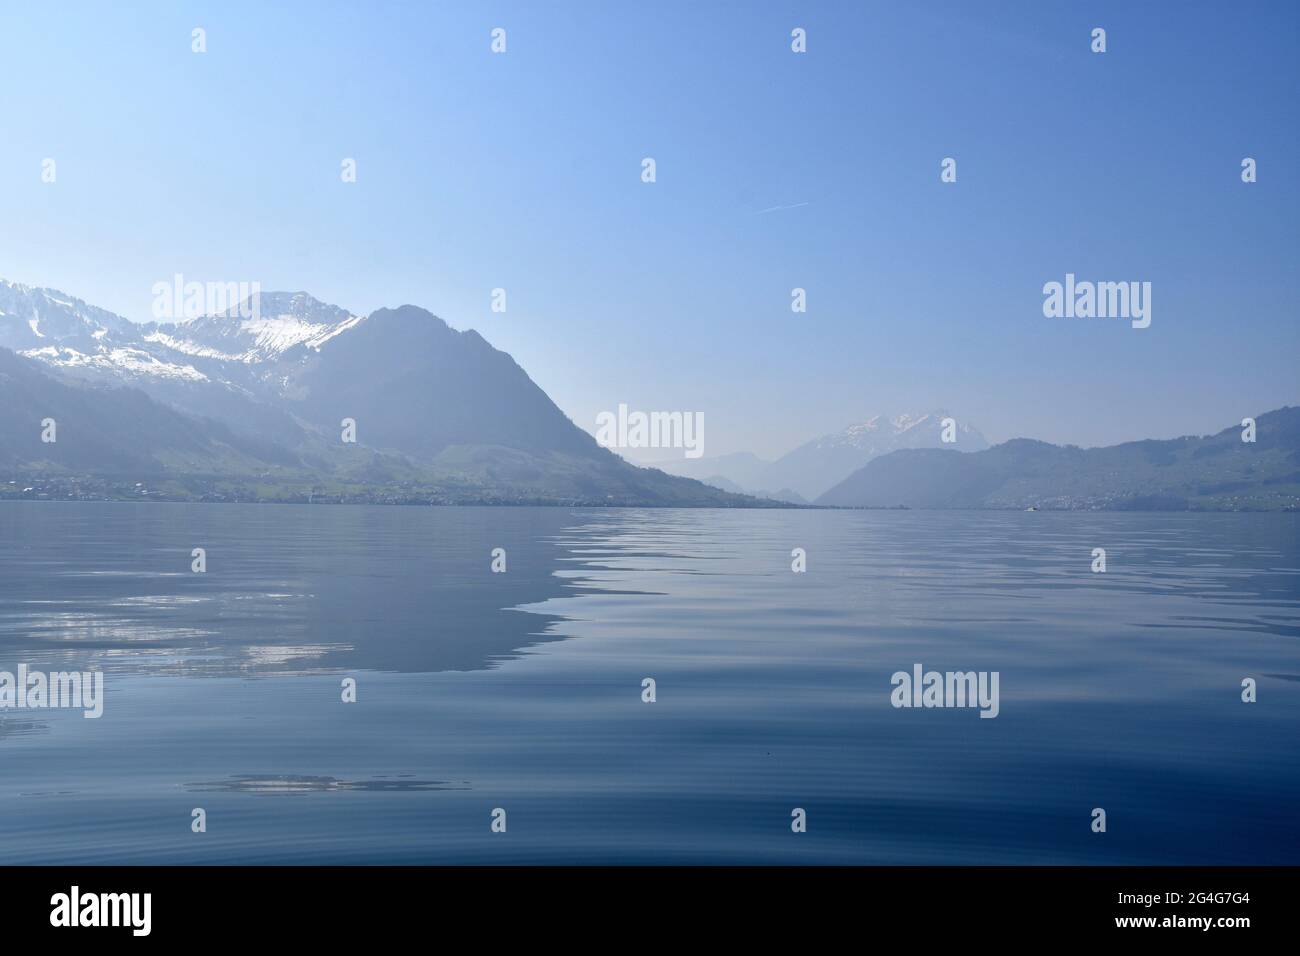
x=522 y=171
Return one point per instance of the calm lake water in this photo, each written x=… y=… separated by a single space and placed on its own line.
x=523 y=691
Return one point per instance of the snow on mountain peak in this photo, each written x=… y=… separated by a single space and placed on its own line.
x=129 y=361
x=60 y=330
x=258 y=329
x=299 y=305
x=882 y=432
x=875 y=428
x=33 y=317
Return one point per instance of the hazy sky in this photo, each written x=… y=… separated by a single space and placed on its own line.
x=775 y=170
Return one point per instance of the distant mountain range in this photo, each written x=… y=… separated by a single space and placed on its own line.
x=1217 y=472
x=816 y=466
x=230 y=407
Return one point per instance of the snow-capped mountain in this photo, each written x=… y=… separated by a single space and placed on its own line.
x=35 y=318
x=285 y=369
x=265 y=390
x=280 y=321
x=818 y=465
x=880 y=433
x=67 y=333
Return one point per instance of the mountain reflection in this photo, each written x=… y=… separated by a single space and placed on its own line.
x=288 y=589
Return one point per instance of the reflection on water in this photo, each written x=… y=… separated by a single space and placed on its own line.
x=10 y=727
x=288 y=783
x=287 y=590
x=523 y=690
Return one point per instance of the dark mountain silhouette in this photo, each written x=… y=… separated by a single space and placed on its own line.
x=440 y=388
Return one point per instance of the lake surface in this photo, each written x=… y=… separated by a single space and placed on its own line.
x=523 y=690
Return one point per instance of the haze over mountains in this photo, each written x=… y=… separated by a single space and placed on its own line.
x=1219 y=472
x=230 y=406
x=814 y=467
x=235 y=407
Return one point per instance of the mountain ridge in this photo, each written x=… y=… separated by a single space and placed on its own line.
x=1218 y=472
x=252 y=403
x=815 y=466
